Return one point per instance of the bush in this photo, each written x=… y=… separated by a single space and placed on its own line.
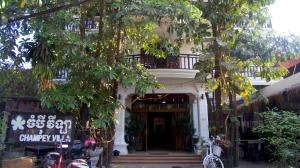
x=282 y=130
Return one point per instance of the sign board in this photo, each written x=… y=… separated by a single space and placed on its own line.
x=39 y=128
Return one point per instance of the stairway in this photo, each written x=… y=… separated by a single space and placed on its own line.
x=158 y=158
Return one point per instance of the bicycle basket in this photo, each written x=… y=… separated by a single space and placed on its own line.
x=217 y=150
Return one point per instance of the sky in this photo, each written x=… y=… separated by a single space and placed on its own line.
x=286 y=16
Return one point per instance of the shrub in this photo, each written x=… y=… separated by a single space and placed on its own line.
x=282 y=130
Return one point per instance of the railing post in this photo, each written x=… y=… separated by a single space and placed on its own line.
x=188 y=58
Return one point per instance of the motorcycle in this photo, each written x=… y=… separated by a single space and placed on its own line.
x=80 y=156
x=57 y=158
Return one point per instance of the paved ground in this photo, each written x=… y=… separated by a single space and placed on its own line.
x=155 y=166
x=242 y=164
x=245 y=164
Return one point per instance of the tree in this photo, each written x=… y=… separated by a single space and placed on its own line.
x=96 y=62
x=239 y=39
x=16 y=82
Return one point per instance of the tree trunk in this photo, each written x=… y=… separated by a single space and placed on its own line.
x=234 y=128
x=84 y=116
x=82 y=26
x=84 y=109
x=100 y=29
x=110 y=133
x=111 y=128
x=232 y=154
x=217 y=75
x=112 y=55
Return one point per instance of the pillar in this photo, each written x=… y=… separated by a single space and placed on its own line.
x=196 y=117
x=202 y=115
x=120 y=143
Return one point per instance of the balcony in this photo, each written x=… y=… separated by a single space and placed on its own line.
x=183 y=61
x=61 y=76
x=255 y=76
x=180 y=66
x=90 y=25
x=252 y=71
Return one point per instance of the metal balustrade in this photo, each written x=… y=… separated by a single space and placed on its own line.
x=252 y=71
x=182 y=61
x=61 y=74
x=89 y=25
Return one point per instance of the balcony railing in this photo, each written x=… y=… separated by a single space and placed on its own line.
x=252 y=72
x=89 y=25
x=62 y=74
x=183 y=61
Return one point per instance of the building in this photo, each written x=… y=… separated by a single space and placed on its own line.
x=169 y=117
x=168 y=112
x=161 y=110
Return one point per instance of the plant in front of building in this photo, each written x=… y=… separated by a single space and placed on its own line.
x=133 y=129
x=185 y=130
x=184 y=126
x=281 y=129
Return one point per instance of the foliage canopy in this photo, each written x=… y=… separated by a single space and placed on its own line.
x=241 y=39
x=91 y=40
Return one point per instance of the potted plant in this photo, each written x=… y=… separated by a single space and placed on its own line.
x=133 y=129
x=184 y=134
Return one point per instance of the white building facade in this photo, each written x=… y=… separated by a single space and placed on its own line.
x=181 y=95
x=162 y=111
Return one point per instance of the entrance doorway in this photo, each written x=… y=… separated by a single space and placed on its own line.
x=165 y=121
x=160 y=131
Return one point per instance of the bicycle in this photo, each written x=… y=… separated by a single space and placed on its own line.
x=212 y=158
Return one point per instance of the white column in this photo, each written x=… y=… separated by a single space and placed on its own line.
x=120 y=143
x=203 y=115
x=196 y=117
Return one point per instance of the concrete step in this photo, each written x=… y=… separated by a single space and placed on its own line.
x=158 y=159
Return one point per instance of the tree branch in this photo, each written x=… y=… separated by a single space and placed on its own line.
x=46 y=12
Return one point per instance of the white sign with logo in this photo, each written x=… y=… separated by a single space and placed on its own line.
x=40 y=128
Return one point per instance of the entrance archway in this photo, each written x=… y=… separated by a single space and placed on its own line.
x=163 y=122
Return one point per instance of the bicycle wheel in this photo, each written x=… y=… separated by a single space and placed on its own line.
x=212 y=162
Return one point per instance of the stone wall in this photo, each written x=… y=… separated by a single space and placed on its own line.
x=22 y=162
